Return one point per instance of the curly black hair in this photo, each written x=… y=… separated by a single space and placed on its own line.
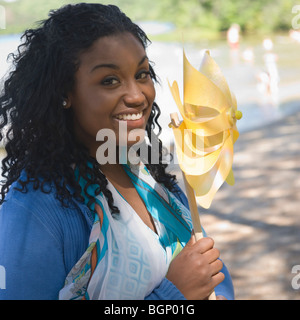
x=40 y=137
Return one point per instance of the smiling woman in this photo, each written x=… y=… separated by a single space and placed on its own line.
x=72 y=228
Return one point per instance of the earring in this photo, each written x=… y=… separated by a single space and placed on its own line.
x=65 y=103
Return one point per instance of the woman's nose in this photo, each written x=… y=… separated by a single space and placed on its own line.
x=134 y=95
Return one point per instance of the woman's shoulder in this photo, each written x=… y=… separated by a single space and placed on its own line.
x=35 y=223
x=28 y=197
x=34 y=200
x=40 y=241
x=34 y=206
x=44 y=197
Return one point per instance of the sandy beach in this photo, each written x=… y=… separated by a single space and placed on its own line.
x=255 y=223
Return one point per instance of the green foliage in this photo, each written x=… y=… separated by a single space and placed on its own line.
x=206 y=15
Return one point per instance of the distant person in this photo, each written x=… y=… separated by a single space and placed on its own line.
x=270 y=59
x=295 y=35
x=233 y=36
x=248 y=55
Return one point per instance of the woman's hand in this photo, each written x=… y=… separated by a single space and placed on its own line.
x=195 y=271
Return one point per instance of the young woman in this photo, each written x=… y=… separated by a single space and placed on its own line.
x=71 y=228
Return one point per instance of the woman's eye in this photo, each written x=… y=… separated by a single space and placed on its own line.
x=109 y=81
x=143 y=75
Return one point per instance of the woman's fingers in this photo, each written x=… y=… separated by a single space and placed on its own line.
x=203 y=245
x=216 y=266
x=217 y=279
x=212 y=255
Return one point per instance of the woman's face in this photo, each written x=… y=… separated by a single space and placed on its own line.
x=112 y=87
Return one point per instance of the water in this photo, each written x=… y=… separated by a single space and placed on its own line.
x=242 y=75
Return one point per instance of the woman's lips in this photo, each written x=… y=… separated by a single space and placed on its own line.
x=129 y=116
x=132 y=120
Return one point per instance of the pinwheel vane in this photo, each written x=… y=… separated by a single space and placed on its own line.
x=204 y=139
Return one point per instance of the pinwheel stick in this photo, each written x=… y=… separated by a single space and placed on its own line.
x=192 y=200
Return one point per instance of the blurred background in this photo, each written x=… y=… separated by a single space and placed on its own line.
x=256 y=44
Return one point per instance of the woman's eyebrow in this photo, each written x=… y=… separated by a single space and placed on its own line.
x=105 y=65
x=143 y=60
x=114 y=66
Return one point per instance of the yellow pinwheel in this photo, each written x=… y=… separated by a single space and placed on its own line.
x=204 y=140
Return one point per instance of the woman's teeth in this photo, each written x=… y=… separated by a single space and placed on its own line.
x=135 y=116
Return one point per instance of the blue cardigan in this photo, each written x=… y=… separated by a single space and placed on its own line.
x=40 y=241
